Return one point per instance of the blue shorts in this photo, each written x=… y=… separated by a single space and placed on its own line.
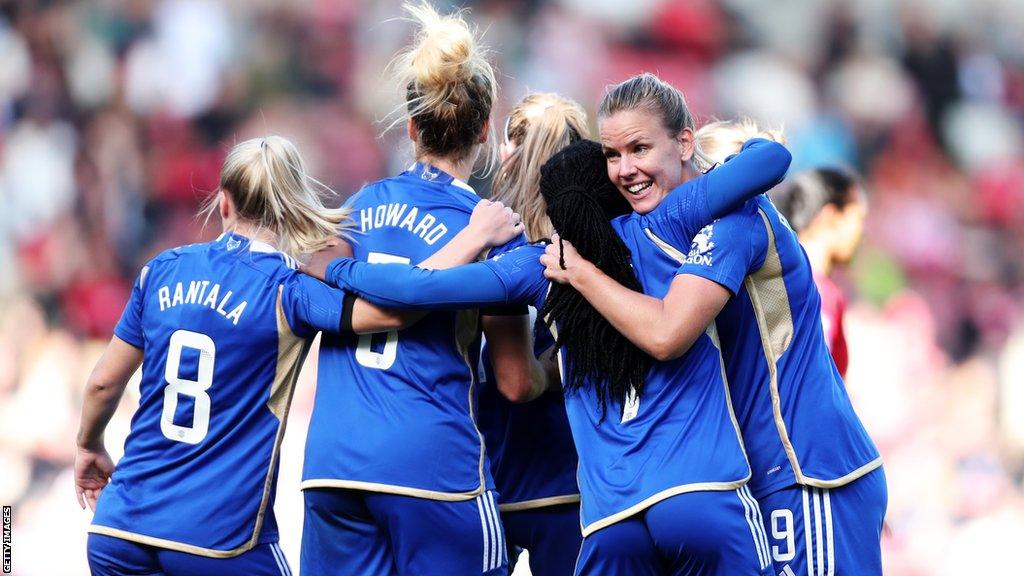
x=110 y=556
x=708 y=533
x=360 y=533
x=823 y=532
x=551 y=534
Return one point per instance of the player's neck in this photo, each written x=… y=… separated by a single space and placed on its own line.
x=252 y=231
x=461 y=170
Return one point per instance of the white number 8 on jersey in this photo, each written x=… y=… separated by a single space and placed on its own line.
x=364 y=353
x=197 y=388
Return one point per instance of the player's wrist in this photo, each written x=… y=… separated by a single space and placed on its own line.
x=582 y=273
x=92 y=446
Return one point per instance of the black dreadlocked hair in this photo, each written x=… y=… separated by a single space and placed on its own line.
x=580 y=202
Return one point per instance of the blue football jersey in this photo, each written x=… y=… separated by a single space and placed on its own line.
x=394 y=412
x=224 y=327
x=679 y=436
x=529 y=444
x=797 y=420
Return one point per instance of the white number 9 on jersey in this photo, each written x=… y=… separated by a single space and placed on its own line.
x=364 y=353
x=176 y=385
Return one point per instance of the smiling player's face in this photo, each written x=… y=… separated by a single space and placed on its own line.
x=644 y=160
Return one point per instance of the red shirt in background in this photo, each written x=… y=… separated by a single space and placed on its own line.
x=833 y=305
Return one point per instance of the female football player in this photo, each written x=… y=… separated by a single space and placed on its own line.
x=661 y=466
x=396 y=478
x=221 y=329
x=815 y=471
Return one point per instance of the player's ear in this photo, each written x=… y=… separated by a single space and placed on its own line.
x=410 y=128
x=224 y=205
x=485 y=132
x=685 y=142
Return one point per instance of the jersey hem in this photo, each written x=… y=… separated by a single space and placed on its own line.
x=664 y=494
x=539 y=503
x=173 y=544
x=392 y=489
x=842 y=480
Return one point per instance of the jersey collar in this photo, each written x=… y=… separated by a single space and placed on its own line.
x=435 y=174
x=233 y=241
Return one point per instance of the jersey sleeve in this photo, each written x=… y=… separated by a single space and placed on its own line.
x=514 y=278
x=513 y=309
x=129 y=327
x=403 y=286
x=310 y=306
x=759 y=165
x=522 y=274
x=728 y=249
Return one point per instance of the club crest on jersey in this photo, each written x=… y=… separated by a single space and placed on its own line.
x=701 y=247
x=429 y=174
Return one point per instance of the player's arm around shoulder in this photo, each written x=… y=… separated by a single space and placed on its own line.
x=353 y=314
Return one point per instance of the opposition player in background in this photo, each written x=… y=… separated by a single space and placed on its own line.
x=661 y=466
x=532 y=455
x=815 y=471
x=396 y=478
x=826 y=207
x=221 y=330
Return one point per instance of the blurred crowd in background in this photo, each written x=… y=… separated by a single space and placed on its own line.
x=115 y=116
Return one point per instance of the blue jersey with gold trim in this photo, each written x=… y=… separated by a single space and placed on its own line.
x=678 y=437
x=224 y=327
x=797 y=420
x=394 y=411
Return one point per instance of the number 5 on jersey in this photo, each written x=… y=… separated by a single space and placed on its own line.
x=364 y=353
x=196 y=389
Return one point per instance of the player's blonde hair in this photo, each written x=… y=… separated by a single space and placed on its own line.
x=651 y=94
x=540 y=125
x=723 y=138
x=450 y=86
x=267 y=181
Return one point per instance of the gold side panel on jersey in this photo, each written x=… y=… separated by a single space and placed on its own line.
x=774 y=316
x=467 y=327
x=291 y=351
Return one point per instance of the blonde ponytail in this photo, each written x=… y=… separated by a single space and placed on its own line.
x=268 y=183
x=450 y=86
x=539 y=126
